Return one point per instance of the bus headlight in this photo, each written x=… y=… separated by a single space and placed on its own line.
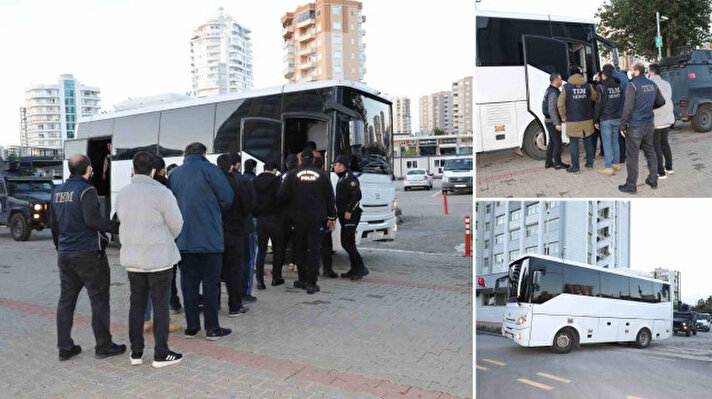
x=518 y=336
x=521 y=320
x=37 y=207
x=394 y=205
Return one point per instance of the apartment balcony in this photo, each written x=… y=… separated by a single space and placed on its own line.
x=288 y=72
x=308 y=65
x=307 y=36
x=305 y=23
x=288 y=43
x=307 y=51
x=288 y=31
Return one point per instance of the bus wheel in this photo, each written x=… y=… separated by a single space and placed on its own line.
x=19 y=228
x=535 y=141
x=642 y=340
x=564 y=341
x=702 y=122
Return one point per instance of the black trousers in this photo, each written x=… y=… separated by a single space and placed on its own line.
x=327 y=249
x=348 y=239
x=637 y=138
x=90 y=270
x=621 y=144
x=662 y=150
x=159 y=284
x=553 y=147
x=269 y=227
x=175 y=300
x=232 y=269
x=197 y=268
x=308 y=242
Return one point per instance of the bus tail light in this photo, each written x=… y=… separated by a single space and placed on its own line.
x=683 y=103
x=691 y=75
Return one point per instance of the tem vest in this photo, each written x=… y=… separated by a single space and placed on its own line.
x=74 y=235
x=578 y=103
x=645 y=93
x=612 y=99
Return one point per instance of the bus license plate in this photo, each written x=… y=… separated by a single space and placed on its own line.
x=460 y=185
x=377 y=235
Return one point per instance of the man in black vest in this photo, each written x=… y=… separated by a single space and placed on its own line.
x=575 y=106
x=607 y=117
x=348 y=198
x=553 y=123
x=78 y=231
x=637 y=126
x=309 y=197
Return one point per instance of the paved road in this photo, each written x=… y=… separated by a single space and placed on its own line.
x=506 y=370
x=505 y=174
x=404 y=331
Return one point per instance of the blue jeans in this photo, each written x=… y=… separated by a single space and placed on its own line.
x=609 y=135
x=574 y=148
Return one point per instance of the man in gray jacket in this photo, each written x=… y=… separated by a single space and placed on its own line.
x=663 y=119
x=150 y=223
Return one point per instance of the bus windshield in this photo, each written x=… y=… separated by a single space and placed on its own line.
x=367 y=139
x=464 y=164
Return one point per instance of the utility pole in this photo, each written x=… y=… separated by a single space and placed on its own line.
x=658 y=39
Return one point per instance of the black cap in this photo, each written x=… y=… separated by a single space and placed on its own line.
x=342 y=159
x=608 y=70
x=307 y=154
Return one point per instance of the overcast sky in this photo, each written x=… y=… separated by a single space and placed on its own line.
x=670 y=233
x=133 y=48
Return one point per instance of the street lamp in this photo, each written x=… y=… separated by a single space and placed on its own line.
x=658 y=17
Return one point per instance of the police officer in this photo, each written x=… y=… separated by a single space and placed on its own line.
x=78 y=231
x=308 y=195
x=348 y=198
x=637 y=126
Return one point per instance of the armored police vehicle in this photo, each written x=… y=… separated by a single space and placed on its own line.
x=690 y=75
x=24 y=204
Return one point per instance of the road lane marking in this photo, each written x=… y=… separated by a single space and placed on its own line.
x=535 y=384
x=494 y=362
x=662 y=358
x=405 y=251
x=553 y=377
x=481 y=367
x=435 y=194
x=633 y=397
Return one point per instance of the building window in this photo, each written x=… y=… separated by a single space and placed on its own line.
x=485 y=262
x=551 y=205
x=531 y=230
x=529 y=250
x=318 y=56
x=486 y=244
x=353 y=41
x=514 y=235
x=353 y=57
x=499 y=239
x=488 y=208
x=532 y=209
x=337 y=69
x=515 y=215
x=513 y=254
x=318 y=13
x=318 y=42
x=337 y=54
x=494 y=299
x=498 y=258
x=499 y=220
x=351 y=27
x=337 y=25
x=318 y=26
x=487 y=226
x=318 y=70
x=551 y=225
x=336 y=10
x=551 y=248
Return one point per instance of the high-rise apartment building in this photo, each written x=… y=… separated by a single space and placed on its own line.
x=401 y=115
x=23 y=127
x=436 y=112
x=324 y=40
x=220 y=56
x=462 y=105
x=673 y=277
x=52 y=110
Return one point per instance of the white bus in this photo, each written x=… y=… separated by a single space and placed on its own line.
x=516 y=53
x=341 y=117
x=557 y=303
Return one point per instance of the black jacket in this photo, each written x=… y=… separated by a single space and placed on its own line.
x=308 y=195
x=266 y=189
x=237 y=219
x=348 y=194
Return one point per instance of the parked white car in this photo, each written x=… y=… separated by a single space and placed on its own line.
x=417 y=178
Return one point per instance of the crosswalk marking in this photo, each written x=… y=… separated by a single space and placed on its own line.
x=494 y=362
x=633 y=397
x=481 y=367
x=553 y=377
x=535 y=384
x=663 y=358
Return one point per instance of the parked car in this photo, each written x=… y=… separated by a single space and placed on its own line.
x=703 y=322
x=24 y=204
x=457 y=175
x=417 y=178
x=690 y=76
x=684 y=322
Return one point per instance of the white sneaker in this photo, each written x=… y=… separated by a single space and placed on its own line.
x=136 y=359
x=170 y=359
x=669 y=171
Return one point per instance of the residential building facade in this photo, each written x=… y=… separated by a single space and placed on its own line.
x=672 y=276
x=462 y=105
x=401 y=116
x=52 y=111
x=436 y=112
x=23 y=127
x=324 y=40
x=220 y=57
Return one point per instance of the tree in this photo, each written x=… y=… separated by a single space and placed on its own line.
x=704 y=305
x=631 y=25
x=438 y=132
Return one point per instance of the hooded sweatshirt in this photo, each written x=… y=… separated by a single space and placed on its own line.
x=266 y=189
x=572 y=96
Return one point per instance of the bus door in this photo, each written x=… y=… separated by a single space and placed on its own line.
x=261 y=141
x=300 y=129
x=542 y=57
x=99 y=153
